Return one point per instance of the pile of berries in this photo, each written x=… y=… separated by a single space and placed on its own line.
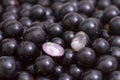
x=59 y=39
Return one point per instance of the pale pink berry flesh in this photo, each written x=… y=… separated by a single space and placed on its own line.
x=53 y=49
x=79 y=41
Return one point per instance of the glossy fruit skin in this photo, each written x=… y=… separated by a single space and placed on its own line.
x=107 y=63
x=65 y=76
x=7 y=67
x=42 y=78
x=12 y=9
x=116 y=2
x=23 y=75
x=44 y=65
x=26 y=6
x=59 y=41
x=98 y=14
x=115 y=75
x=9 y=2
x=27 y=51
x=62 y=1
x=64 y=9
x=6 y=22
x=91 y=26
x=38 y=24
x=48 y=12
x=58 y=70
x=115 y=51
x=26 y=21
x=85 y=7
x=102 y=4
x=92 y=75
x=100 y=45
x=68 y=36
x=56 y=6
x=37 y=12
x=8 y=47
x=44 y=3
x=67 y=57
x=1 y=36
x=25 y=12
x=51 y=19
x=91 y=1
x=85 y=56
x=74 y=2
x=112 y=25
x=114 y=41
x=28 y=1
x=75 y=71
x=109 y=13
x=14 y=29
x=46 y=24
x=35 y=34
x=55 y=29
x=72 y=20
x=9 y=15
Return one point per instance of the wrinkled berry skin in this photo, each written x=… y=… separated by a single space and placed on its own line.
x=14 y=29
x=64 y=9
x=35 y=34
x=72 y=20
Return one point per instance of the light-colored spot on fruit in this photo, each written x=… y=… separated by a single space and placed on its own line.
x=79 y=41
x=53 y=49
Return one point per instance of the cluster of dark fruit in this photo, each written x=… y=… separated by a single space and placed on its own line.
x=59 y=39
